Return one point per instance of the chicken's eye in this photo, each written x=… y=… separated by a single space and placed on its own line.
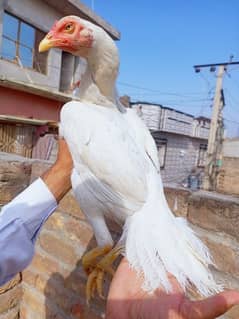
x=69 y=27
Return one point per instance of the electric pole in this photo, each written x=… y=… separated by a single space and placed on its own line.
x=215 y=139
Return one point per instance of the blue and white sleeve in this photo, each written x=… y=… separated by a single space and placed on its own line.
x=20 y=222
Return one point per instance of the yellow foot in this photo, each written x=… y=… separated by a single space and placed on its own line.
x=96 y=263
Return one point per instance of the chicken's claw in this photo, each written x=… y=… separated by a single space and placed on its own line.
x=96 y=264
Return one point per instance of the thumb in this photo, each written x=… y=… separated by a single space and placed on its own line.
x=215 y=306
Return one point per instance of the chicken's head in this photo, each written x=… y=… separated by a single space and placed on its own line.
x=71 y=34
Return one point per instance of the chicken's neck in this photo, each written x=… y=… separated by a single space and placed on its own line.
x=90 y=90
x=98 y=82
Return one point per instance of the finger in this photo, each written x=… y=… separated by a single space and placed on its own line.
x=213 y=307
x=125 y=274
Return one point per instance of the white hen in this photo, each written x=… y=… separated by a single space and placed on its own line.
x=116 y=168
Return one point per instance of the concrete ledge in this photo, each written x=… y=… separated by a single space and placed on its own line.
x=76 y=7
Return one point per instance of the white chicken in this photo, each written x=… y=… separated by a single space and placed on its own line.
x=116 y=173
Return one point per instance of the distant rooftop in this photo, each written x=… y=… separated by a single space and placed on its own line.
x=162 y=106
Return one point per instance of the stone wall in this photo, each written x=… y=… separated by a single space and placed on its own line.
x=215 y=218
x=228 y=178
x=53 y=286
x=15 y=174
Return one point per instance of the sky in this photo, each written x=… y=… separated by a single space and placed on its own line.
x=162 y=40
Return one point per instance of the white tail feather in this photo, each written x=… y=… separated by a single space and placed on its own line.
x=157 y=242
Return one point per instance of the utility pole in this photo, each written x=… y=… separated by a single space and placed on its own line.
x=215 y=139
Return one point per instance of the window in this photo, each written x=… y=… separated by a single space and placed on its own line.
x=162 y=148
x=20 y=44
x=202 y=155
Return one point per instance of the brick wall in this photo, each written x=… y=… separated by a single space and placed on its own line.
x=214 y=217
x=54 y=283
x=53 y=286
x=10 y=299
x=227 y=181
x=15 y=174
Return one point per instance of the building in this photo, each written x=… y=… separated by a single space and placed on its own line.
x=33 y=86
x=231 y=147
x=227 y=179
x=180 y=137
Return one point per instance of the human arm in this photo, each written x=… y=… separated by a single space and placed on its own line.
x=22 y=218
x=127 y=300
x=57 y=178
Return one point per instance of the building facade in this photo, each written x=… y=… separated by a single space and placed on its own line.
x=181 y=140
x=34 y=86
x=227 y=179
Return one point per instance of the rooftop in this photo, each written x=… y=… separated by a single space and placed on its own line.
x=76 y=7
x=203 y=118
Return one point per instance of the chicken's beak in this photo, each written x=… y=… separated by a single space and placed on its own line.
x=45 y=45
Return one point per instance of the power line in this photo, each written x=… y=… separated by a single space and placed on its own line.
x=234 y=81
x=233 y=98
x=216 y=128
x=232 y=121
x=189 y=95
x=156 y=91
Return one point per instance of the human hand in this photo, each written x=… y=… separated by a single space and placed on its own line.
x=127 y=300
x=64 y=159
x=57 y=178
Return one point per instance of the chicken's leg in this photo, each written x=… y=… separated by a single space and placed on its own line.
x=96 y=263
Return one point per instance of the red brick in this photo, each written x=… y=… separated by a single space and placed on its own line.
x=76 y=282
x=23 y=311
x=44 y=264
x=56 y=221
x=33 y=280
x=12 y=283
x=58 y=248
x=77 y=310
x=80 y=311
x=31 y=303
x=71 y=227
x=29 y=277
x=39 y=305
x=10 y=299
x=79 y=230
x=11 y=314
x=69 y=205
x=90 y=314
x=55 y=288
x=58 y=296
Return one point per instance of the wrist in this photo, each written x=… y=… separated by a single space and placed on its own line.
x=58 y=179
x=62 y=167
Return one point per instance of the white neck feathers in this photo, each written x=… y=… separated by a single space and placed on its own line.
x=98 y=82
